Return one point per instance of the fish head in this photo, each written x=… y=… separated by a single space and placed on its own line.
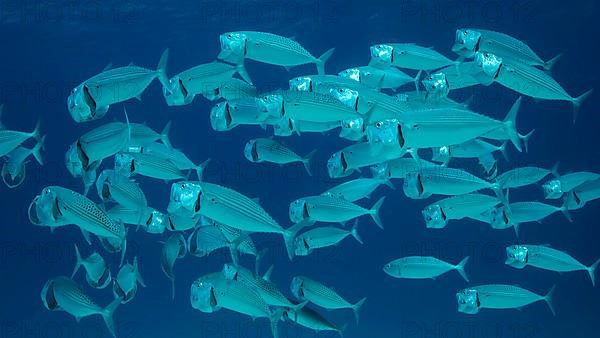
x=382 y=55
x=413 y=186
x=230 y=271
x=48 y=298
x=79 y=107
x=251 y=152
x=436 y=84
x=301 y=84
x=487 y=67
x=47 y=209
x=552 y=189
x=203 y=296
x=297 y=287
x=380 y=170
x=13 y=174
x=271 y=104
x=156 y=223
x=517 y=256
x=298 y=211
x=441 y=154
x=73 y=161
x=175 y=92
x=301 y=247
x=337 y=166
x=347 y=96
x=353 y=129
x=124 y=164
x=185 y=198
x=573 y=202
x=499 y=218
x=466 y=42
x=220 y=116
x=104 y=183
x=468 y=301
x=284 y=127
x=393 y=269
x=351 y=73
x=434 y=216
x=384 y=132
x=233 y=46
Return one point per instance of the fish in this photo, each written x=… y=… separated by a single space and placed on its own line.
x=234 y=90
x=104 y=141
x=206 y=239
x=474 y=148
x=399 y=168
x=408 y=55
x=556 y=187
x=523 y=212
x=125 y=285
x=499 y=296
x=175 y=247
x=13 y=170
x=91 y=99
x=438 y=214
x=306 y=106
x=227 y=115
x=62 y=293
x=269 y=48
x=584 y=193
x=43 y=211
x=323 y=84
x=112 y=186
x=142 y=135
x=469 y=41
x=268 y=150
x=287 y=126
x=422 y=267
x=331 y=209
x=322 y=237
x=522 y=176
x=350 y=159
x=129 y=164
x=547 y=258
x=305 y=288
x=204 y=79
x=460 y=75
x=378 y=78
x=357 y=189
x=177 y=157
x=313 y=320
x=11 y=139
x=97 y=271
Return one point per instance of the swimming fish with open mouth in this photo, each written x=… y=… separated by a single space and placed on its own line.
x=408 y=55
x=421 y=267
x=438 y=214
x=331 y=209
x=498 y=296
x=174 y=248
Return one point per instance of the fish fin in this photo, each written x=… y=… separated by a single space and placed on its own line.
x=375 y=212
x=322 y=60
x=354 y=232
x=389 y=183
x=306 y=161
x=578 y=101
x=258 y=259
x=503 y=150
x=460 y=267
x=548 y=299
x=78 y=262
x=289 y=234
x=164 y=135
x=162 y=68
x=200 y=169
x=267 y=274
x=108 y=67
x=550 y=63
x=86 y=236
x=241 y=70
x=554 y=170
x=565 y=210
x=416 y=80
x=510 y=121
x=592 y=271
x=287 y=68
x=136 y=268
x=234 y=253
x=274 y=319
x=356 y=308
x=107 y=315
x=123 y=250
x=36 y=150
x=36 y=131
x=516 y=227
x=299 y=306
x=525 y=139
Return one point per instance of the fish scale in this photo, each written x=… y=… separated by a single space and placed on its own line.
x=519 y=177
x=267 y=290
x=324 y=293
x=505 y=296
x=558 y=260
x=456 y=206
x=540 y=79
x=279 y=42
x=531 y=211
x=240 y=298
x=324 y=236
x=150 y=165
x=121 y=73
x=510 y=44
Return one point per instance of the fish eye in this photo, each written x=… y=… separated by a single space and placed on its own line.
x=378 y=124
x=229 y=35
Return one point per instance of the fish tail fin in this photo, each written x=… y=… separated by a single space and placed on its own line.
x=375 y=212
x=241 y=70
x=36 y=151
x=578 y=101
x=356 y=308
x=162 y=68
x=503 y=150
x=322 y=60
x=289 y=234
x=525 y=138
x=233 y=252
x=200 y=169
x=460 y=267
x=510 y=121
x=548 y=299
x=306 y=161
x=274 y=319
x=36 y=131
x=164 y=135
x=78 y=261
x=389 y=183
x=416 y=80
x=565 y=210
x=354 y=232
x=107 y=315
x=516 y=227
x=123 y=249
x=550 y=63
x=136 y=268
x=592 y=271
x=299 y=307
x=554 y=170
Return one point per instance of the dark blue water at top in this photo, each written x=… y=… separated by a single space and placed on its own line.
x=49 y=47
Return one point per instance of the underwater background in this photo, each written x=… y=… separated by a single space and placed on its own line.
x=47 y=48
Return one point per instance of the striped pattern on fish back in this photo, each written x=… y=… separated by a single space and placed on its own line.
x=277 y=41
x=240 y=293
x=551 y=255
x=130 y=190
x=505 y=289
x=334 y=203
x=156 y=164
x=448 y=116
x=420 y=51
x=119 y=74
x=538 y=77
x=73 y=292
x=451 y=174
x=207 y=71
x=509 y=42
x=521 y=176
x=103 y=132
x=324 y=292
x=277 y=148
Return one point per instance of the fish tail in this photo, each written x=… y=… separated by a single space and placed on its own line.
x=107 y=315
x=525 y=138
x=36 y=150
x=289 y=234
x=322 y=60
x=510 y=121
x=164 y=135
x=375 y=212
x=299 y=307
x=356 y=308
x=460 y=267
x=123 y=250
x=306 y=161
x=138 y=276
x=36 y=131
x=354 y=232
x=200 y=169
x=550 y=63
x=592 y=271
x=78 y=261
x=241 y=70
x=548 y=299
x=162 y=68
x=274 y=319
x=578 y=101
x=503 y=150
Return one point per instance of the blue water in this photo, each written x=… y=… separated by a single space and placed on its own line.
x=48 y=48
